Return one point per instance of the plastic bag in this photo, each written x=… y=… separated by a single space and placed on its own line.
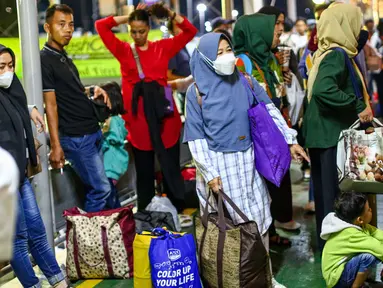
x=173 y=261
x=163 y=204
x=295 y=95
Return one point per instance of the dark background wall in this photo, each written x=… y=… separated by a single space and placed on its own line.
x=84 y=13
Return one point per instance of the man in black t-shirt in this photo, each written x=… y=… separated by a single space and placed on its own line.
x=74 y=130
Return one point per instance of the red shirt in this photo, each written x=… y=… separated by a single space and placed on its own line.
x=154 y=62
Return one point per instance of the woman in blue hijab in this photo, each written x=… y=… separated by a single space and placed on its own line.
x=218 y=133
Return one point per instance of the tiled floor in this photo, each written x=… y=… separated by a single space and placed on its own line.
x=296 y=267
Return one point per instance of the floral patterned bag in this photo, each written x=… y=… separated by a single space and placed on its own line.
x=360 y=159
x=100 y=244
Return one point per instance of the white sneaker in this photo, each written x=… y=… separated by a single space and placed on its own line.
x=275 y=284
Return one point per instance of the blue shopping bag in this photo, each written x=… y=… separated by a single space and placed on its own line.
x=173 y=261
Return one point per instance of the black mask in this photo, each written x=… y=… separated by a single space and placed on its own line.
x=363 y=37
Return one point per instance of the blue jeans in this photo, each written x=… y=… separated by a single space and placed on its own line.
x=31 y=236
x=86 y=158
x=113 y=201
x=360 y=263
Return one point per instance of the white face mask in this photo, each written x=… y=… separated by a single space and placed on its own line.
x=225 y=64
x=6 y=79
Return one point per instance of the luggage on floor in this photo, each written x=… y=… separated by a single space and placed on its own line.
x=148 y=220
x=100 y=244
x=360 y=159
x=173 y=261
x=141 y=245
x=142 y=277
x=231 y=255
x=163 y=204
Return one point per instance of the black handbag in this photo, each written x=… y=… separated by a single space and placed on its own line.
x=101 y=110
x=148 y=220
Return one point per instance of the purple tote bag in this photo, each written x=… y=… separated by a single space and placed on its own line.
x=271 y=152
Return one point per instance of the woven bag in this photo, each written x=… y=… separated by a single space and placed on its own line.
x=231 y=255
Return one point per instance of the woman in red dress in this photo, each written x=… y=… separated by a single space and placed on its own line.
x=150 y=129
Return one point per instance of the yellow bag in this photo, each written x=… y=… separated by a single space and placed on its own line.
x=141 y=263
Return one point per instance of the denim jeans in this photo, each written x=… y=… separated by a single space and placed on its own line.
x=113 y=201
x=360 y=263
x=86 y=158
x=31 y=236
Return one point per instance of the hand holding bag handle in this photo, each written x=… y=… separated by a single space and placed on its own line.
x=375 y=122
x=221 y=223
x=222 y=230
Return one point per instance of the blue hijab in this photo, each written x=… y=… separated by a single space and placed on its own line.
x=222 y=119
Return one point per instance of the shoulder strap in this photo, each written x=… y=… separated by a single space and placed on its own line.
x=138 y=63
x=263 y=78
x=351 y=70
x=65 y=60
x=199 y=97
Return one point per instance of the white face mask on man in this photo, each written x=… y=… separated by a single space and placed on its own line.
x=6 y=79
x=223 y=65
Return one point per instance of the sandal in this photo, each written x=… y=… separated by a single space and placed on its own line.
x=279 y=241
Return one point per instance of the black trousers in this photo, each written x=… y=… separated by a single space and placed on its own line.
x=324 y=177
x=300 y=138
x=144 y=161
x=281 y=202
x=379 y=83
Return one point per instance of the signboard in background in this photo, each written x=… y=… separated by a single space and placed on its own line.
x=92 y=58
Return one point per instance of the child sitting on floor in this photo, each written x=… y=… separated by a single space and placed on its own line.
x=353 y=246
x=116 y=158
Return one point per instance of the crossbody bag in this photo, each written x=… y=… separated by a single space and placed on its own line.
x=168 y=90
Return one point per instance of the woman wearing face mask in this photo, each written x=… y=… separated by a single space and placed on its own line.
x=17 y=138
x=218 y=133
x=333 y=104
x=150 y=131
x=254 y=38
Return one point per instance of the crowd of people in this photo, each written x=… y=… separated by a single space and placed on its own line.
x=230 y=71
